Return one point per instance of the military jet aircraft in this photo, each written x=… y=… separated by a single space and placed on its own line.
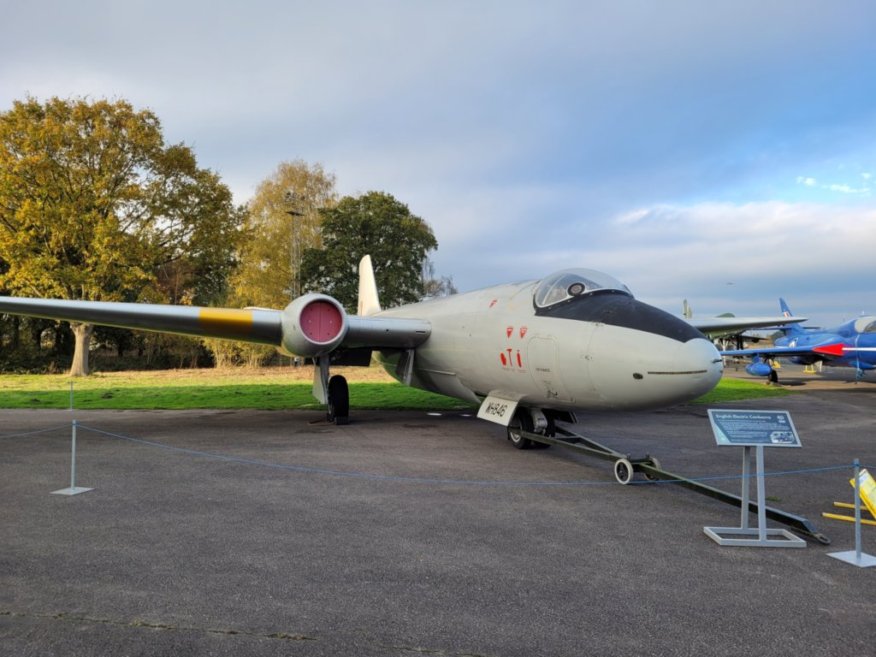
x=728 y=326
x=852 y=344
x=530 y=354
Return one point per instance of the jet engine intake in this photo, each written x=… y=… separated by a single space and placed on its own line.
x=313 y=325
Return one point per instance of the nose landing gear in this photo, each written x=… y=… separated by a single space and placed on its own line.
x=530 y=421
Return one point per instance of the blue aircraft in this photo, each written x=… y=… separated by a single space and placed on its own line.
x=852 y=344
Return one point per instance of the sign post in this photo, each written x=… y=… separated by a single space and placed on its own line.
x=756 y=429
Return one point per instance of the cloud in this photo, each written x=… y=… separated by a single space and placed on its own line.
x=661 y=143
x=840 y=188
x=765 y=249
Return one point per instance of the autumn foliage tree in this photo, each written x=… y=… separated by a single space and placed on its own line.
x=282 y=221
x=95 y=206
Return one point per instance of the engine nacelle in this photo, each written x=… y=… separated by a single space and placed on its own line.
x=313 y=325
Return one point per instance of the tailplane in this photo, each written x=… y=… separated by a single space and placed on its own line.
x=369 y=302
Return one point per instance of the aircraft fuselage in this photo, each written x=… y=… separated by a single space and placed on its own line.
x=605 y=351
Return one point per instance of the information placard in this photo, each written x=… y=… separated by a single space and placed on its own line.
x=752 y=428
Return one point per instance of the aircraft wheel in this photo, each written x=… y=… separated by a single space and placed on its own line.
x=338 y=400
x=521 y=421
x=623 y=471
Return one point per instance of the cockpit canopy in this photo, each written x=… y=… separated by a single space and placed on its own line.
x=571 y=283
x=865 y=325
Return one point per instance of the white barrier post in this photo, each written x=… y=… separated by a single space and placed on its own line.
x=856 y=557
x=73 y=489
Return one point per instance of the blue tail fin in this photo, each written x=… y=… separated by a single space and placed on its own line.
x=786 y=311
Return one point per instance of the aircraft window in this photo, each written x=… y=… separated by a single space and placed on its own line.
x=866 y=325
x=570 y=283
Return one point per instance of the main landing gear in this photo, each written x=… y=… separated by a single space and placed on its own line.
x=523 y=433
x=338 y=400
x=332 y=391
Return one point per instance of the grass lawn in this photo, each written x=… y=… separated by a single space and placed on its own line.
x=267 y=389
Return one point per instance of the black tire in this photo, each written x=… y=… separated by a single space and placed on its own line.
x=521 y=421
x=338 y=400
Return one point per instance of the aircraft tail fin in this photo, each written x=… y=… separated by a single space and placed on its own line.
x=786 y=312
x=369 y=301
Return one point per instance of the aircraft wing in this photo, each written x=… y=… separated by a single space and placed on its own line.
x=718 y=326
x=823 y=351
x=311 y=325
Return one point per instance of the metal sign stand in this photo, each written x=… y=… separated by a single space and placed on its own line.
x=759 y=536
x=73 y=489
x=759 y=429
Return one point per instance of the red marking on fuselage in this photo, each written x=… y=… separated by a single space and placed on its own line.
x=519 y=359
x=509 y=331
x=523 y=330
x=493 y=302
x=504 y=360
x=830 y=349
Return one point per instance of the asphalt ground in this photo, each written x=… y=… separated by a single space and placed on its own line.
x=405 y=533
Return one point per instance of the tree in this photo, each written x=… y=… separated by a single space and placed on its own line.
x=94 y=206
x=436 y=287
x=376 y=224
x=282 y=222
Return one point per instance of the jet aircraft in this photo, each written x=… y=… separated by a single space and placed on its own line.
x=852 y=344
x=530 y=354
x=730 y=327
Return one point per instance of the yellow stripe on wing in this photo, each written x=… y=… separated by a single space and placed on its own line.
x=222 y=321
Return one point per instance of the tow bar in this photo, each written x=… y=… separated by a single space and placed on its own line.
x=625 y=467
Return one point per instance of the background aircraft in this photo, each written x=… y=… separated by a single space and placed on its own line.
x=852 y=344
x=529 y=353
x=728 y=327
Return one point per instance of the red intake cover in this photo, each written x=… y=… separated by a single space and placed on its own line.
x=321 y=321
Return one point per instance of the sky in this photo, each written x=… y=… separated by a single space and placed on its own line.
x=719 y=152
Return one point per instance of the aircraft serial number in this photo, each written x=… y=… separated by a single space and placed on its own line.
x=496 y=408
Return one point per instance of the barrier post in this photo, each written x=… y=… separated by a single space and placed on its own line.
x=73 y=489
x=856 y=557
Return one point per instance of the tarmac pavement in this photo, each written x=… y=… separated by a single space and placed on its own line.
x=405 y=533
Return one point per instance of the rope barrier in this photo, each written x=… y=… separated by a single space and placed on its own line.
x=428 y=480
x=33 y=433
x=415 y=480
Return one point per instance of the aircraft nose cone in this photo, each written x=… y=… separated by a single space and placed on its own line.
x=680 y=372
x=653 y=368
x=698 y=365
